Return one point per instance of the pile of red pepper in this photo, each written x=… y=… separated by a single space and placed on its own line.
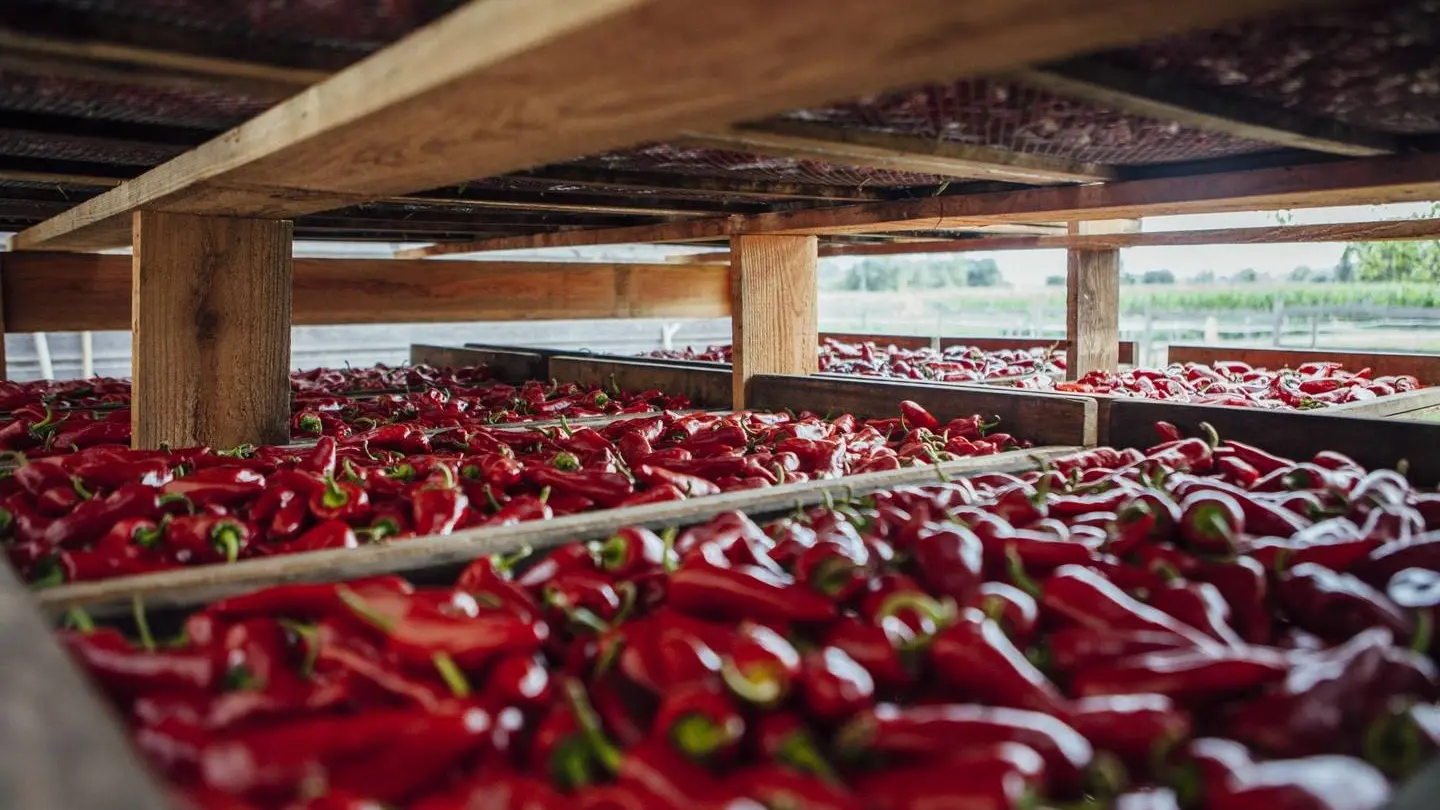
x=953 y=364
x=1310 y=385
x=47 y=430
x=1200 y=625
x=106 y=512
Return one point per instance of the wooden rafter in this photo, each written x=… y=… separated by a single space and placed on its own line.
x=498 y=86
x=904 y=153
x=1161 y=97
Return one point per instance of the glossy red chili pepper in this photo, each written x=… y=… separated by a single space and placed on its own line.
x=975 y=657
x=1243 y=584
x=1016 y=611
x=303 y=600
x=89 y=520
x=1199 y=605
x=226 y=486
x=872 y=648
x=913 y=415
x=129 y=671
x=1002 y=776
x=1138 y=728
x=833 y=686
x=760 y=666
x=201 y=539
x=339 y=500
x=1083 y=597
x=1183 y=674
x=699 y=720
x=604 y=488
x=745 y=592
x=1337 y=606
x=1211 y=522
x=417 y=633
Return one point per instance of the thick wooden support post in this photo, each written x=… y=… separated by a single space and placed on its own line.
x=775 y=324
x=1092 y=301
x=211 y=321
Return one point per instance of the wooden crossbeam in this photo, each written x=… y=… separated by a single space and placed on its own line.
x=903 y=153
x=64 y=292
x=501 y=85
x=1157 y=96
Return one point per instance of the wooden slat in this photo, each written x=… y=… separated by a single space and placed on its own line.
x=710 y=229
x=1126 y=347
x=773 y=312
x=1379 y=231
x=1092 y=302
x=1041 y=418
x=1372 y=442
x=1409 y=405
x=499 y=86
x=802 y=140
x=704 y=387
x=64 y=749
x=606 y=179
x=1158 y=96
x=1424 y=367
x=510 y=366
x=60 y=292
x=211 y=331
x=196 y=586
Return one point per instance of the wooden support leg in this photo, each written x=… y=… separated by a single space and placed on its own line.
x=4 y=278
x=775 y=325
x=1092 y=301
x=211 y=323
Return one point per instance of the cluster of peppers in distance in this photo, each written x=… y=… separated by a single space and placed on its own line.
x=50 y=429
x=1310 y=385
x=954 y=364
x=1201 y=625
x=110 y=511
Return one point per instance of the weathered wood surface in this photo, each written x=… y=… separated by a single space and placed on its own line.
x=211 y=312
x=774 y=314
x=1424 y=367
x=496 y=87
x=189 y=587
x=704 y=387
x=1092 y=301
x=901 y=341
x=61 y=292
x=1370 y=441
x=64 y=750
x=509 y=366
x=1409 y=405
x=1041 y=418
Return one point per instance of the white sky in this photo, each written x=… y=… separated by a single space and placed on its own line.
x=1029 y=268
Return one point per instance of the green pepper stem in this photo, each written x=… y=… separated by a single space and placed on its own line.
x=1018 y=576
x=799 y=751
x=142 y=624
x=364 y=610
x=609 y=755
x=698 y=736
x=226 y=538
x=80 y=620
x=668 y=535
x=451 y=673
x=1424 y=632
x=765 y=691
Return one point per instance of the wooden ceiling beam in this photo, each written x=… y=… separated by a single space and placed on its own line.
x=501 y=85
x=802 y=140
x=661 y=182
x=1154 y=95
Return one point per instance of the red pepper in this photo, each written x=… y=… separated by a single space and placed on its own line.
x=948 y=559
x=437 y=507
x=1002 y=776
x=913 y=415
x=778 y=786
x=745 y=592
x=1243 y=584
x=833 y=686
x=1199 y=605
x=1138 y=728
x=699 y=720
x=304 y=600
x=760 y=666
x=977 y=658
x=606 y=489
x=201 y=539
x=1211 y=522
x=1085 y=598
x=871 y=647
x=91 y=519
x=119 y=666
x=1014 y=610
x=1183 y=674
x=1338 y=606
x=692 y=486
x=327 y=534
x=1148 y=517
x=339 y=500
x=226 y=486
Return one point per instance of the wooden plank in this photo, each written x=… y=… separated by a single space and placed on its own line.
x=64 y=748
x=1155 y=95
x=496 y=87
x=196 y=586
x=59 y=292
x=609 y=179
x=1378 y=231
x=1092 y=302
x=1408 y=405
x=58 y=179
x=803 y=140
x=704 y=387
x=211 y=309
x=1042 y=418
x=712 y=228
x=989 y=344
x=1372 y=442
x=773 y=312
x=510 y=366
x=1424 y=367
x=1363 y=181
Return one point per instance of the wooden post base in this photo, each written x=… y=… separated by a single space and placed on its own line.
x=211 y=324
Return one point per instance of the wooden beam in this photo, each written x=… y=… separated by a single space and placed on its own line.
x=64 y=292
x=804 y=140
x=1155 y=95
x=211 y=315
x=686 y=231
x=660 y=182
x=1380 y=231
x=773 y=315
x=1092 y=302
x=59 y=179
x=496 y=87
x=93 y=60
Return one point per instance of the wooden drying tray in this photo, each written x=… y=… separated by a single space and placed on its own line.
x=196 y=586
x=1424 y=367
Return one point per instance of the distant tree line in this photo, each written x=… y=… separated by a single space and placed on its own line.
x=898 y=275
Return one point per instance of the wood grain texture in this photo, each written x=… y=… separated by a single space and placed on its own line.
x=704 y=387
x=510 y=366
x=64 y=747
x=1154 y=95
x=1424 y=367
x=1092 y=302
x=60 y=292
x=1379 y=231
x=1409 y=405
x=711 y=228
x=503 y=85
x=902 y=341
x=1373 y=442
x=211 y=324
x=989 y=344
x=803 y=140
x=774 y=319
x=197 y=586
x=1363 y=181
x=1041 y=418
